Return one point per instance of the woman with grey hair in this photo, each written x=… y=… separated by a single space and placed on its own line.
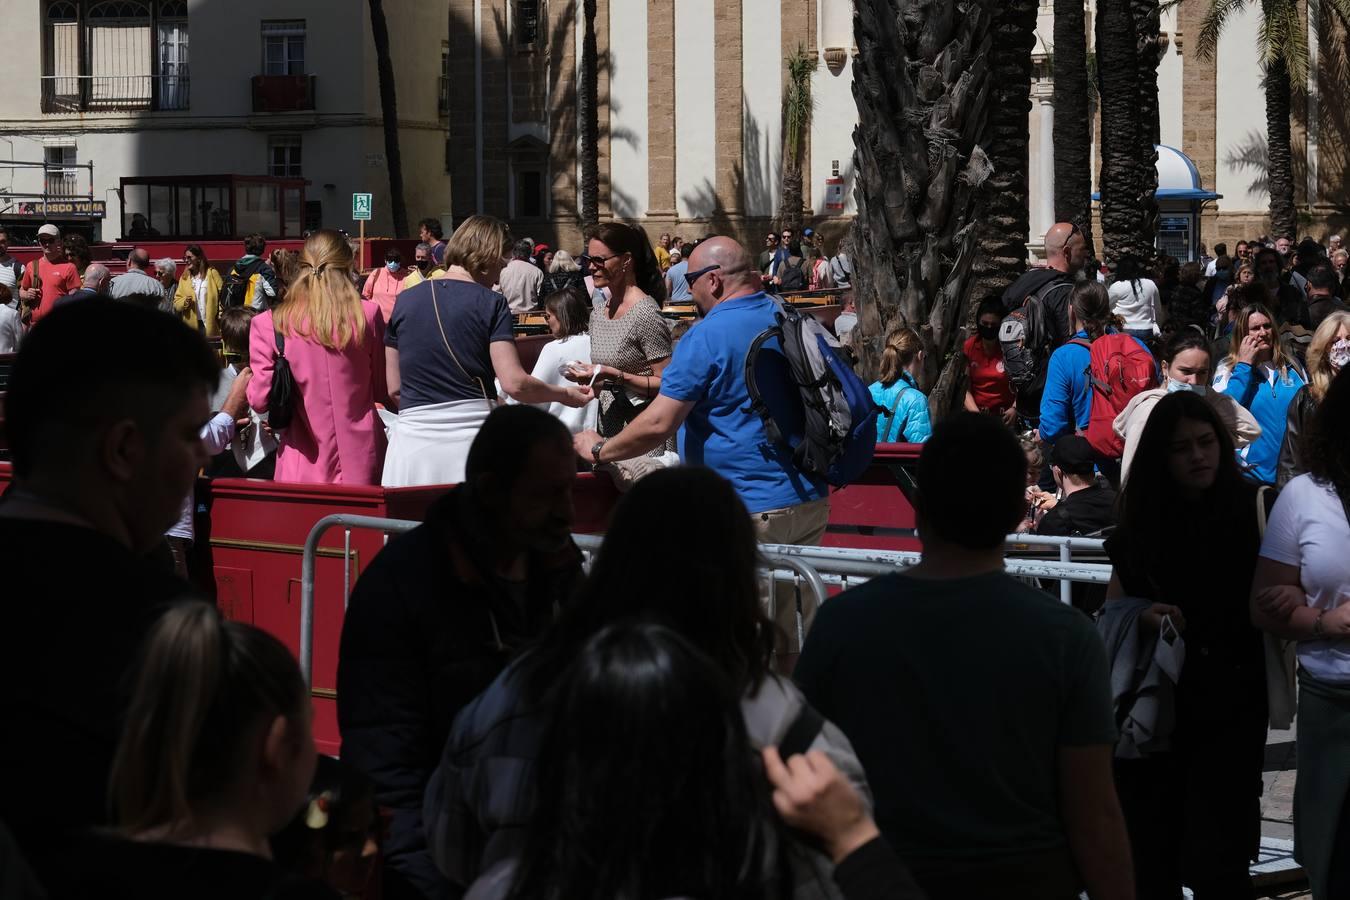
x=166 y=272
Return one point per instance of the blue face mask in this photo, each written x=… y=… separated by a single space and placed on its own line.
x=391 y=266
x=1173 y=386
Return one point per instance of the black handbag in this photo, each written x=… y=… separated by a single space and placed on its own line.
x=281 y=399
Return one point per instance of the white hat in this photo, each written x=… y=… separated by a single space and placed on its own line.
x=50 y=229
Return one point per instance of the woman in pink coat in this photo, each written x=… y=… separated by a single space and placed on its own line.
x=334 y=342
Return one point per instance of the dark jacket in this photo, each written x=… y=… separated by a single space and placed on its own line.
x=1057 y=302
x=1081 y=513
x=560 y=281
x=1189 y=306
x=428 y=628
x=1293 y=462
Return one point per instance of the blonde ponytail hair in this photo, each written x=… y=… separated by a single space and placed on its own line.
x=901 y=349
x=203 y=687
x=322 y=304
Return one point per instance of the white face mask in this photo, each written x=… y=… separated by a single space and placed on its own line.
x=1173 y=386
x=1339 y=355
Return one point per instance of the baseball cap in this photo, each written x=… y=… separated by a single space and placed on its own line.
x=541 y=248
x=807 y=232
x=1073 y=454
x=50 y=231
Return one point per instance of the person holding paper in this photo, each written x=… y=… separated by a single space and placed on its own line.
x=1187 y=544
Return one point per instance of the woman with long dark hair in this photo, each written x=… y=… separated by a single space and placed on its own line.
x=695 y=819
x=712 y=599
x=1185 y=549
x=1301 y=593
x=197 y=298
x=630 y=339
x=1135 y=298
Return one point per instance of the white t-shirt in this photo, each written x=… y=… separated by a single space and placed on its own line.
x=1137 y=303
x=1308 y=530
x=199 y=284
x=11 y=329
x=548 y=369
x=10 y=274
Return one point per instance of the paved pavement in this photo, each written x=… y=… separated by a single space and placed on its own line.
x=1276 y=866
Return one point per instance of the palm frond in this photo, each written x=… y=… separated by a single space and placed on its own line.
x=798 y=104
x=1213 y=22
x=1168 y=5
x=1283 y=35
x=1341 y=9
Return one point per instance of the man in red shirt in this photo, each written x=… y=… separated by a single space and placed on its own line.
x=50 y=278
x=989 y=389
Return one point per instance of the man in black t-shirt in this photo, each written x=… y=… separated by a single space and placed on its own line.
x=103 y=456
x=979 y=707
x=1087 y=505
x=1066 y=255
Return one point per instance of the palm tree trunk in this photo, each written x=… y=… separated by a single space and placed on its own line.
x=1128 y=177
x=1280 y=171
x=588 y=111
x=1146 y=14
x=1073 y=119
x=384 y=63
x=790 y=202
x=924 y=94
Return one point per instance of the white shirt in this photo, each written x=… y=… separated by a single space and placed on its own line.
x=11 y=329
x=1211 y=267
x=1308 y=530
x=8 y=277
x=1137 y=303
x=199 y=288
x=548 y=369
x=216 y=436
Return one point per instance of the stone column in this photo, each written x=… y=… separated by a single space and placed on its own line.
x=1044 y=92
x=727 y=79
x=661 y=136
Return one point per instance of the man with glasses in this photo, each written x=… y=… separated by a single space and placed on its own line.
x=1066 y=261
x=770 y=246
x=49 y=278
x=703 y=389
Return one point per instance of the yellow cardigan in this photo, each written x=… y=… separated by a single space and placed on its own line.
x=185 y=301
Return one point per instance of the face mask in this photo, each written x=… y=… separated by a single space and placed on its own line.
x=1173 y=386
x=988 y=332
x=391 y=266
x=423 y=265
x=1340 y=354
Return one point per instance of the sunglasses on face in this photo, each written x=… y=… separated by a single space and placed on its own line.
x=691 y=277
x=598 y=262
x=45 y=241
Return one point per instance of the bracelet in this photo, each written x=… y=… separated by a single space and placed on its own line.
x=1317 y=630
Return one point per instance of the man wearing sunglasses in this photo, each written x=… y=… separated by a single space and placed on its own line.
x=48 y=279
x=705 y=399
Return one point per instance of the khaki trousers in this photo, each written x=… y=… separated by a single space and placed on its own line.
x=801 y=524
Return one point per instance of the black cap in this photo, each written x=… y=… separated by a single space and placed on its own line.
x=1073 y=454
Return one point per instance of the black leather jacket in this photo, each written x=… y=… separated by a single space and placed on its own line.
x=1292 y=459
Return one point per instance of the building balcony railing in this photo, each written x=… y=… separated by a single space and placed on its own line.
x=283 y=93
x=443 y=98
x=93 y=93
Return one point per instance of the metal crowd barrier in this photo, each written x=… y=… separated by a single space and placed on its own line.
x=813 y=569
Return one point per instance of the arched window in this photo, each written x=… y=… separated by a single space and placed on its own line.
x=134 y=55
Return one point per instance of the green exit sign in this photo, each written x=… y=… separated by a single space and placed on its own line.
x=362 y=204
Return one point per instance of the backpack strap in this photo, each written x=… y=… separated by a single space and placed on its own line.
x=757 y=404
x=904 y=386
x=801 y=734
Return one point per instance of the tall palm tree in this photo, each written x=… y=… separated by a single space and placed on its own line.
x=588 y=111
x=922 y=82
x=1128 y=86
x=384 y=64
x=1073 y=118
x=1282 y=50
x=798 y=105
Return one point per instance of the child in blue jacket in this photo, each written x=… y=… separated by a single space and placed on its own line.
x=905 y=420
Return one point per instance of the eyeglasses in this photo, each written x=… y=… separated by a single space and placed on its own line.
x=691 y=277
x=599 y=261
x=46 y=239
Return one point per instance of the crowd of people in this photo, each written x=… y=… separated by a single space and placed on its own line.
x=515 y=724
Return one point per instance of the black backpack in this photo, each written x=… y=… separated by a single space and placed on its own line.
x=282 y=398
x=235 y=292
x=792 y=277
x=1027 y=338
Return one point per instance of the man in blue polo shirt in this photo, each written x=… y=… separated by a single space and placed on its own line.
x=703 y=389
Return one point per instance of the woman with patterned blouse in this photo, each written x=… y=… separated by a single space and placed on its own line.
x=630 y=339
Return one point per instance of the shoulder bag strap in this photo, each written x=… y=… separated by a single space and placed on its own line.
x=437 y=308
x=1261 y=510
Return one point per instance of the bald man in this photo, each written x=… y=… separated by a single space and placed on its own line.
x=703 y=389
x=137 y=282
x=96 y=279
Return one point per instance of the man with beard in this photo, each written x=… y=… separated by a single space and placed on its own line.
x=1282 y=297
x=441 y=610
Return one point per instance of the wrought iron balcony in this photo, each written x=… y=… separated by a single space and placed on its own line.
x=95 y=93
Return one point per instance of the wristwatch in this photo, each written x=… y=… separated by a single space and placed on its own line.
x=596 y=448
